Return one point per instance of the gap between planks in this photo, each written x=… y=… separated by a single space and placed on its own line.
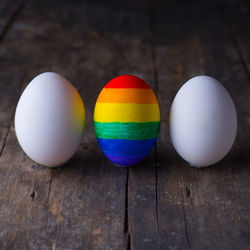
x=155 y=75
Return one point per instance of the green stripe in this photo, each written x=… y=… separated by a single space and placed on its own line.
x=127 y=130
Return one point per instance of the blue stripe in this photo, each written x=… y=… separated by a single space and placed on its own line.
x=124 y=161
x=126 y=147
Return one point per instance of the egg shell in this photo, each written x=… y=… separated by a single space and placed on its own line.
x=203 y=121
x=49 y=119
x=126 y=120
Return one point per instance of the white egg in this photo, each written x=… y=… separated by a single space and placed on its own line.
x=49 y=119
x=203 y=121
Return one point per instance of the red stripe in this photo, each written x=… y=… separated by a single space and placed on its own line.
x=127 y=81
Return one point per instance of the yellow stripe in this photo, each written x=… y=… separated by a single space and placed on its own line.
x=128 y=95
x=126 y=112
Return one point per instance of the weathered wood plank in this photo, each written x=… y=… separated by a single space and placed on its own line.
x=12 y=76
x=142 y=179
x=191 y=40
x=161 y=203
x=8 y=92
x=82 y=204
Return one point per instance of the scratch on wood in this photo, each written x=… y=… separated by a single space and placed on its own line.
x=238 y=49
x=50 y=183
x=235 y=43
x=126 y=219
x=7 y=133
x=54 y=242
x=12 y=19
x=188 y=192
x=10 y=124
x=5 y=138
x=13 y=235
x=59 y=218
x=185 y=221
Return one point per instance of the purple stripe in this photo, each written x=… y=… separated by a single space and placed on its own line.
x=124 y=161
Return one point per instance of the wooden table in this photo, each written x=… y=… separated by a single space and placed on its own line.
x=161 y=203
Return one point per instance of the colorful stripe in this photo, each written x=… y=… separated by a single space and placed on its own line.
x=127 y=81
x=127 y=95
x=127 y=131
x=124 y=161
x=126 y=120
x=126 y=112
x=126 y=148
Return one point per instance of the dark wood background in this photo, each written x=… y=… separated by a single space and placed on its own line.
x=161 y=203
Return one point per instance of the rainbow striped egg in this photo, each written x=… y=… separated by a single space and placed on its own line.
x=126 y=120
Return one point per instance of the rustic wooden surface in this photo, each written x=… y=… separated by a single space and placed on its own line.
x=161 y=203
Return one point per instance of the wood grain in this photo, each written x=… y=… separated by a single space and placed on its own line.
x=82 y=204
x=8 y=92
x=161 y=203
x=212 y=202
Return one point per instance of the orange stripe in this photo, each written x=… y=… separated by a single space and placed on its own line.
x=127 y=95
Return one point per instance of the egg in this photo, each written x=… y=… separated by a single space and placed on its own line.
x=203 y=121
x=126 y=120
x=50 y=119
